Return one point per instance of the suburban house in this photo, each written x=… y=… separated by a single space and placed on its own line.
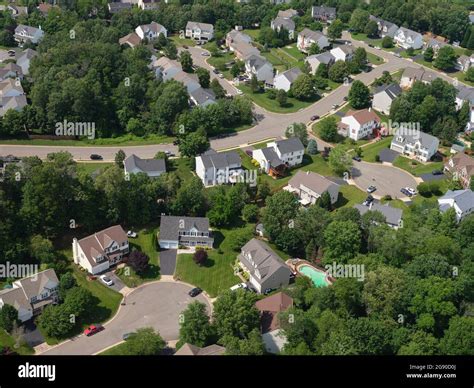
x=269 y=307
x=359 y=124
x=309 y=187
x=260 y=67
x=265 y=268
x=435 y=44
x=461 y=167
x=307 y=37
x=287 y=13
x=147 y=5
x=150 y=31
x=410 y=75
x=242 y=50
x=202 y=32
x=279 y=155
x=285 y=80
x=152 y=167
x=44 y=8
x=464 y=94
x=325 y=58
x=216 y=168
x=323 y=13
x=165 y=68
x=23 y=59
x=385 y=28
x=414 y=143
x=406 y=38
x=132 y=40
x=12 y=96
x=202 y=97
x=280 y=23
x=184 y=231
x=11 y=70
x=28 y=34
x=15 y=10
x=117 y=7
x=101 y=250
x=384 y=96
x=236 y=36
x=29 y=296
x=393 y=216
x=190 y=81
x=464 y=63
x=343 y=53
x=461 y=200
x=193 y=350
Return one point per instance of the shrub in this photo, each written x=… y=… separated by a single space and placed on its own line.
x=377 y=158
x=200 y=256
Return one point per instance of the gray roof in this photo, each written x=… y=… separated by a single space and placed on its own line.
x=325 y=57
x=193 y=350
x=292 y=74
x=411 y=137
x=264 y=259
x=272 y=157
x=433 y=43
x=256 y=61
x=429 y=76
x=465 y=93
x=413 y=72
x=170 y=226
x=202 y=26
x=323 y=10
x=310 y=34
x=409 y=33
x=202 y=95
x=27 y=30
x=314 y=182
x=117 y=7
x=145 y=165
x=220 y=160
x=293 y=144
x=392 y=90
x=25 y=54
x=286 y=23
x=464 y=199
x=382 y=23
x=392 y=215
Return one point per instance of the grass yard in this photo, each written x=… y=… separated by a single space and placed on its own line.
x=293 y=51
x=6 y=340
x=416 y=168
x=365 y=38
x=117 y=350
x=89 y=168
x=374 y=59
x=182 y=166
x=220 y=63
x=217 y=275
x=371 y=151
x=179 y=42
x=350 y=195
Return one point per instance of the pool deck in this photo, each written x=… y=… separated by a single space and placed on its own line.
x=295 y=264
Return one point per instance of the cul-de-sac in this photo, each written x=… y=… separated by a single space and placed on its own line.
x=237 y=177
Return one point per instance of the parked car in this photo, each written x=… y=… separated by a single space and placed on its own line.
x=220 y=75
x=205 y=54
x=405 y=191
x=215 y=71
x=314 y=117
x=268 y=290
x=346 y=98
x=397 y=55
x=242 y=286
x=335 y=106
x=370 y=45
x=410 y=190
x=96 y=157
x=106 y=280
x=185 y=47
x=356 y=158
x=93 y=329
x=240 y=92
x=169 y=153
x=368 y=200
x=132 y=234
x=437 y=172
x=126 y=336
x=194 y=292
x=371 y=189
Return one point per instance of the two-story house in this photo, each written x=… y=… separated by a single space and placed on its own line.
x=461 y=167
x=285 y=79
x=385 y=28
x=150 y=31
x=314 y=61
x=462 y=201
x=102 y=250
x=184 y=231
x=415 y=144
x=215 y=168
x=309 y=187
x=201 y=32
x=25 y=33
x=307 y=37
x=288 y=153
x=260 y=67
x=359 y=124
x=151 y=167
x=23 y=59
x=384 y=96
x=343 y=53
x=265 y=268
x=323 y=13
x=12 y=96
x=29 y=296
x=406 y=38
x=165 y=68
x=287 y=24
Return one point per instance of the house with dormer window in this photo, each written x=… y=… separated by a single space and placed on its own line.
x=201 y=32
x=102 y=250
x=415 y=144
x=151 y=31
x=406 y=38
x=265 y=268
x=178 y=231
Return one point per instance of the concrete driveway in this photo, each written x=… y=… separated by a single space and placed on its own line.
x=167 y=261
x=156 y=305
x=388 y=180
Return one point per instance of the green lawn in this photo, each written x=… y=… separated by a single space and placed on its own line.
x=217 y=275
x=349 y=195
x=182 y=166
x=220 y=63
x=89 y=168
x=369 y=152
x=179 y=42
x=374 y=59
x=365 y=38
x=293 y=51
x=143 y=243
x=117 y=350
x=6 y=340
x=416 y=168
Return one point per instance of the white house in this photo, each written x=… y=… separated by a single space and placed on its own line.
x=178 y=231
x=279 y=153
x=314 y=61
x=216 y=168
x=285 y=80
x=343 y=53
x=384 y=27
x=359 y=124
x=260 y=67
x=415 y=144
x=407 y=38
x=464 y=63
x=25 y=33
x=201 y=32
x=461 y=200
x=102 y=250
x=152 y=167
x=307 y=37
x=410 y=75
x=150 y=31
x=30 y=295
x=384 y=96
x=309 y=187
x=165 y=68
x=23 y=59
x=147 y=5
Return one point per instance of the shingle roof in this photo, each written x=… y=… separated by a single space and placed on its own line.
x=272 y=157
x=392 y=90
x=413 y=72
x=202 y=26
x=363 y=116
x=410 y=33
x=293 y=144
x=170 y=226
x=220 y=160
x=201 y=95
x=131 y=39
x=145 y=165
x=323 y=10
x=412 y=137
x=460 y=161
x=286 y=23
x=33 y=285
x=313 y=35
x=288 y=13
x=193 y=350
x=464 y=199
x=270 y=307
x=382 y=22
x=312 y=181
x=291 y=74
x=325 y=57
x=392 y=215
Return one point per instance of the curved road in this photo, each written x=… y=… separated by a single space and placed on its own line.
x=156 y=305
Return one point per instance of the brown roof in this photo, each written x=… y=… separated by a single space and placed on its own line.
x=192 y=350
x=270 y=307
x=461 y=161
x=33 y=285
x=363 y=116
x=312 y=181
x=131 y=39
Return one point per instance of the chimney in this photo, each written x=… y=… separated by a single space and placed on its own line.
x=75 y=253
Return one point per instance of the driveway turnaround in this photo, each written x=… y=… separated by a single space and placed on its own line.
x=388 y=180
x=156 y=305
x=167 y=261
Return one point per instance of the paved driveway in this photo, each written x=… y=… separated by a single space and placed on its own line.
x=167 y=261
x=388 y=180
x=157 y=305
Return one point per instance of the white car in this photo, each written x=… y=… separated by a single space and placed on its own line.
x=220 y=75
x=242 y=286
x=106 y=280
x=132 y=234
x=205 y=54
x=410 y=190
x=239 y=92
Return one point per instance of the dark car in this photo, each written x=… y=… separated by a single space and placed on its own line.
x=126 y=336
x=356 y=158
x=185 y=47
x=405 y=191
x=314 y=118
x=367 y=69
x=368 y=200
x=267 y=291
x=215 y=71
x=96 y=157
x=346 y=98
x=437 y=172
x=194 y=292
x=370 y=45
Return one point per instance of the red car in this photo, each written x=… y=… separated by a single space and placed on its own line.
x=92 y=329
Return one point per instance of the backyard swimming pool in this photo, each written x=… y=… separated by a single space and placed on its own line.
x=318 y=277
